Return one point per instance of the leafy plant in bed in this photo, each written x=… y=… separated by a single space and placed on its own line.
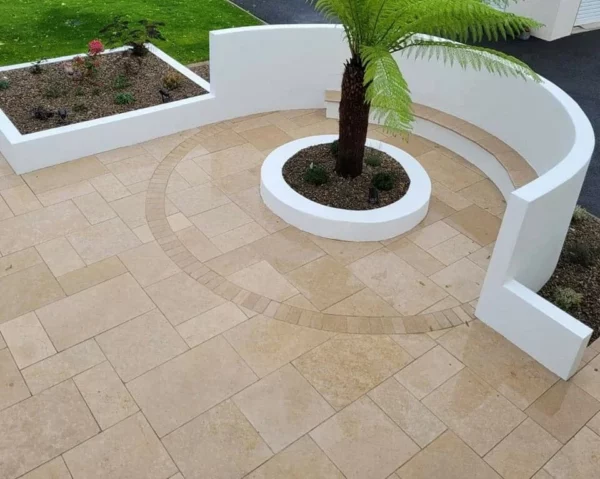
x=94 y=85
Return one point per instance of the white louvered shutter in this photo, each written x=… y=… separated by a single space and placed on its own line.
x=589 y=12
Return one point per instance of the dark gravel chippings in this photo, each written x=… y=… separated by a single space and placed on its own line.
x=90 y=97
x=582 y=279
x=202 y=70
x=343 y=193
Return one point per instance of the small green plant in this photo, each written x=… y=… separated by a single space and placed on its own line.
x=4 y=84
x=383 y=181
x=36 y=66
x=135 y=34
x=580 y=214
x=316 y=175
x=121 y=82
x=567 y=299
x=335 y=147
x=124 y=98
x=172 y=80
x=583 y=254
x=373 y=159
x=54 y=90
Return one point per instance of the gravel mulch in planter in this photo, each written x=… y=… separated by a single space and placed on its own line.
x=202 y=70
x=88 y=98
x=582 y=279
x=338 y=192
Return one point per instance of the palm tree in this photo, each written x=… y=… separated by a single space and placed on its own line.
x=372 y=80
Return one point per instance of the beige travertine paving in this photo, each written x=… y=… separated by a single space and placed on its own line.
x=169 y=325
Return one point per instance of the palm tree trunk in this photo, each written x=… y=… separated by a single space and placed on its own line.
x=354 y=120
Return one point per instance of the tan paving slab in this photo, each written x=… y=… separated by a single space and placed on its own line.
x=251 y=202
x=148 y=264
x=267 y=344
x=346 y=252
x=198 y=244
x=133 y=170
x=94 y=208
x=20 y=199
x=261 y=278
x=91 y=275
x=105 y=394
x=62 y=366
x=119 y=154
x=5 y=211
x=473 y=410
x=578 y=459
x=43 y=427
x=455 y=200
x=190 y=384
x=39 y=226
x=132 y=209
x=238 y=182
x=454 y=249
x=266 y=137
x=363 y=442
x=220 y=444
x=207 y=325
x=12 y=387
x=192 y=173
x=417 y=257
x=65 y=193
x=103 y=240
x=176 y=183
x=594 y=424
x=199 y=199
x=476 y=223
x=178 y=222
x=141 y=344
x=230 y=161
x=588 y=378
x=283 y=407
x=447 y=171
x=27 y=290
x=432 y=235
x=222 y=140
x=462 y=279
x=348 y=366
x=406 y=411
x=19 y=261
x=363 y=303
x=523 y=451
x=228 y=263
x=449 y=458
x=414 y=344
x=109 y=187
x=181 y=298
x=60 y=256
x=129 y=449
x=27 y=340
x=64 y=174
x=94 y=310
x=55 y=469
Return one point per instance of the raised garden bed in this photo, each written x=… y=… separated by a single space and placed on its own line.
x=346 y=193
x=575 y=284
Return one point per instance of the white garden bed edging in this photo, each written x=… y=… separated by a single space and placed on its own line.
x=57 y=145
x=368 y=225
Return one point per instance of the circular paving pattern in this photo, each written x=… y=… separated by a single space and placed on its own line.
x=410 y=284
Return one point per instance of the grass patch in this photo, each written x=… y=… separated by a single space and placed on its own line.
x=32 y=29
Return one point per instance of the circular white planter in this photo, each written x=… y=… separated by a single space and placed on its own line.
x=367 y=225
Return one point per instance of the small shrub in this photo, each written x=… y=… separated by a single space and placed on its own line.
x=335 y=147
x=95 y=47
x=134 y=34
x=583 y=254
x=42 y=113
x=36 y=67
x=316 y=175
x=85 y=66
x=373 y=159
x=4 y=84
x=124 y=98
x=580 y=214
x=567 y=299
x=383 y=181
x=172 y=80
x=121 y=82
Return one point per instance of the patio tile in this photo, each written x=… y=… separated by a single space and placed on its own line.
x=261 y=278
x=418 y=258
x=148 y=264
x=477 y=224
x=12 y=387
x=449 y=458
x=10 y=181
x=445 y=170
x=222 y=140
x=432 y=235
x=5 y=211
x=129 y=449
x=415 y=145
x=578 y=459
x=588 y=378
x=406 y=411
x=55 y=469
x=454 y=249
x=363 y=303
x=135 y=169
x=482 y=256
x=238 y=182
x=238 y=237
x=176 y=183
x=62 y=366
x=91 y=275
x=39 y=226
x=27 y=290
x=132 y=209
x=448 y=302
x=119 y=154
x=60 y=256
x=27 y=340
x=414 y=344
x=484 y=194
x=21 y=199
x=301 y=460
x=251 y=202
x=219 y=444
x=523 y=451
x=594 y=424
x=228 y=263
x=94 y=310
x=348 y=366
x=141 y=344
x=100 y=241
x=283 y=407
x=143 y=233
x=198 y=199
x=192 y=173
x=462 y=279
x=105 y=394
x=19 y=261
x=325 y=282
x=409 y=291
x=181 y=298
x=508 y=369
x=345 y=252
x=159 y=148
x=94 y=208
x=198 y=244
x=429 y=371
x=287 y=249
x=309 y=118
x=563 y=410
x=267 y=344
x=474 y=411
x=452 y=199
x=64 y=174
x=220 y=220
x=207 y=325
x=363 y=442
x=186 y=386
x=43 y=427
x=266 y=137
x=229 y=161
x=109 y=187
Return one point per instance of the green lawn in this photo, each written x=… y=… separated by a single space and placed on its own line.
x=32 y=29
